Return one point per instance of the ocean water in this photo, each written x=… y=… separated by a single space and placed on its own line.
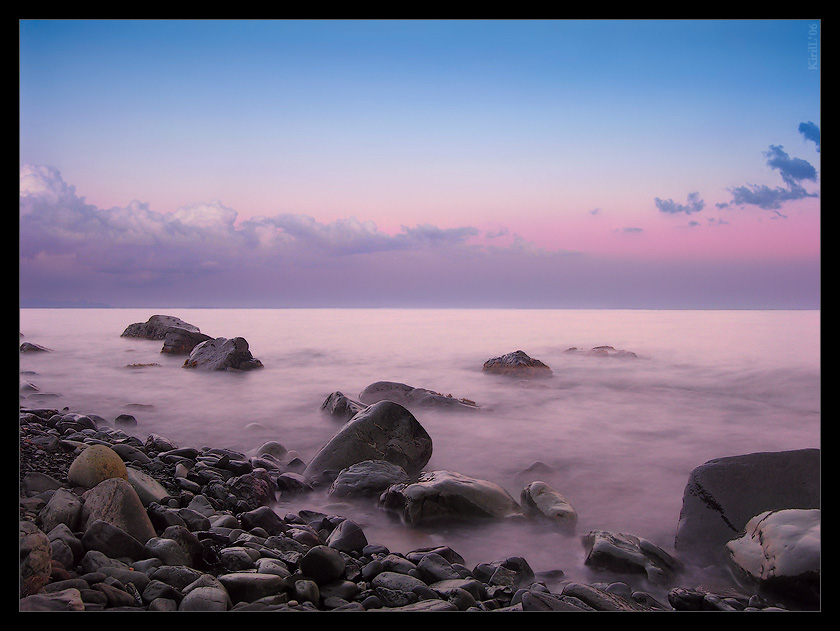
x=620 y=435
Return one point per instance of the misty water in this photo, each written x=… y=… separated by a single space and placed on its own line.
x=620 y=435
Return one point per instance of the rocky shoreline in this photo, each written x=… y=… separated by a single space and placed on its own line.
x=111 y=522
x=214 y=544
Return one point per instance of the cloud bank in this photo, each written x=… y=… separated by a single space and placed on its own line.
x=206 y=255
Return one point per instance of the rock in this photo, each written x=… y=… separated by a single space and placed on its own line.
x=446 y=494
x=367 y=478
x=539 y=499
x=322 y=564
x=29 y=347
x=115 y=501
x=517 y=364
x=64 y=507
x=112 y=541
x=780 y=553
x=603 y=351
x=602 y=600
x=222 y=354
x=251 y=586
x=618 y=552
x=181 y=341
x=95 y=464
x=341 y=406
x=35 y=558
x=384 y=431
x=148 y=489
x=722 y=495
x=411 y=397
x=347 y=537
x=156 y=327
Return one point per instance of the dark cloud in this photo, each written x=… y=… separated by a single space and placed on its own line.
x=811 y=132
x=694 y=204
x=792 y=170
x=766 y=197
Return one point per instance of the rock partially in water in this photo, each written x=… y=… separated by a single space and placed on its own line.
x=341 y=406
x=156 y=327
x=181 y=341
x=619 y=552
x=29 y=347
x=222 y=354
x=412 y=397
x=384 y=431
x=602 y=351
x=517 y=364
x=368 y=478
x=447 y=494
x=539 y=499
x=722 y=495
x=780 y=553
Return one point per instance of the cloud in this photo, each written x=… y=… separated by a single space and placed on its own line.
x=694 y=204
x=811 y=132
x=136 y=247
x=792 y=170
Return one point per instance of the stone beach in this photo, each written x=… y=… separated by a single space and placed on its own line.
x=111 y=521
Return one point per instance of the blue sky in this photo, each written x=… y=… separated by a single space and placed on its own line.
x=550 y=149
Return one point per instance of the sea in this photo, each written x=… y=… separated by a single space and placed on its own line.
x=616 y=436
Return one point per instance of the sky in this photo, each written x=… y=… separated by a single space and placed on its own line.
x=454 y=163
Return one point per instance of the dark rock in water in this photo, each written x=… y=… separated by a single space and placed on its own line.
x=722 y=495
x=222 y=354
x=156 y=327
x=412 y=397
x=383 y=431
x=341 y=406
x=517 y=364
x=603 y=351
x=29 y=347
x=447 y=494
x=180 y=341
x=618 y=552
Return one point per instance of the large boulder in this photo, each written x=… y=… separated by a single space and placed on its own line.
x=384 y=431
x=780 y=553
x=447 y=494
x=722 y=495
x=156 y=327
x=116 y=502
x=222 y=354
x=412 y=397
x=517 y=364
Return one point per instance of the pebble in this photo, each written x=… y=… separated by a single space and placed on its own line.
x=212 y=544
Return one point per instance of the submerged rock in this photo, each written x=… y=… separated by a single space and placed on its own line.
x=222 y=354
x=517 y=364
x=409 y=396
x=602 y=351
